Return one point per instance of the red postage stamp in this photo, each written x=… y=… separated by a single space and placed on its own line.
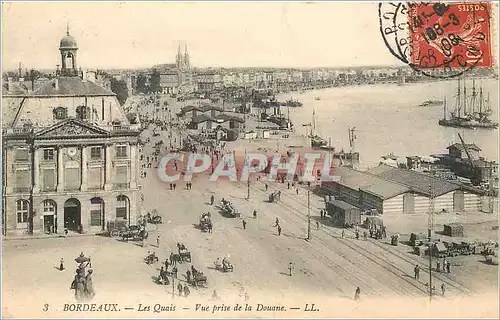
x=453 y=36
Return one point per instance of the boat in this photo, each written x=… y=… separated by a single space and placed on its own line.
x=317 y=142
x=431 y=103
x=293 y=103
x=470 y=112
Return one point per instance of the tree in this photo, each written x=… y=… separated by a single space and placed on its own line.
x=141 y=83
x=119 y=87
x=155 y=81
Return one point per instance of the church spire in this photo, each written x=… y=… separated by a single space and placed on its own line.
x=67 y=28
x=186 y=57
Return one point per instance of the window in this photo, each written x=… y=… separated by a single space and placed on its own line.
x=121 y=151
x=95 y=153
x=96 y=212
x=121 y=175
x=22 y=211
x=22 y=154
x=95 y=178
x=49 y=179
x=22 y=180
x=60 y=113
x=122 y=203
x=48 y=154
x=81 y=112
x=49 y=207
x=72 y=178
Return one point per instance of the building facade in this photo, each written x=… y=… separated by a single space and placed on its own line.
x=70 y=156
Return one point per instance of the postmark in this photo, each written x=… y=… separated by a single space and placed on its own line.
x=438 y=39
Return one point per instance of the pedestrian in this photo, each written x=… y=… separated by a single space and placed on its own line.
x=171 y=258
x=66 y=232
x=174 y=272
x=417 y=272
x=448 y=266
x=277 y=222
x=179 y=287
x=212 y=199
x=171 y=186
x=174 y=185
x=288 y=185
x=188 y=276
x=357 y=294
x=357 y=235
x=317 y=225
x=158 y=241
x=244 y=224
x=297 y=190
x=215 y=296
x=279 y=230
x=365 y=235
x=290 y=267
x=438 y=266
x=186 y=291
x=266 y=186
x=343 y=233
x=160 y=276
x=443 y=289
x=255 y=214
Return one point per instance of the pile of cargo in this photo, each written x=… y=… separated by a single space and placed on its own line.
x=453 y=230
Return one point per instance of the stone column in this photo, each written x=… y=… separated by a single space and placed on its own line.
x=84 y=177
x=108 y=167
x=36 y=169
x=133 y=166
x=60 y=169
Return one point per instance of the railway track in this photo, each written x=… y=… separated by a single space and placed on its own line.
x=361 y=263
x=392 y=268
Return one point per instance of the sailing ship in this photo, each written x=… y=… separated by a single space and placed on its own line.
x=471 y=111
x=317 y=142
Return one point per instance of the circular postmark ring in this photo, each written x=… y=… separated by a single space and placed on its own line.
x=465 y=42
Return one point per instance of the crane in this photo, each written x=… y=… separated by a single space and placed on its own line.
x=475 y=177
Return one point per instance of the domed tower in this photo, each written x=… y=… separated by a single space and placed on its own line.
x=68 y=49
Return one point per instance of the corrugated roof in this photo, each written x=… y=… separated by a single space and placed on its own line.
x=227 y=117
x=342 y=205
x=416 y=181
x=370 y=183
x=71 y=86
x=470 y=146
x=202 y=118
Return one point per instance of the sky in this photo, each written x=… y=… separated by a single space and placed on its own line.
x=231 y=34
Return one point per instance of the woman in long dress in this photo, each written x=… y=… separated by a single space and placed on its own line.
x=89 y=287
x=79 y=287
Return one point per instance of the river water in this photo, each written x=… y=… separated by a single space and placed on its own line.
x=388 y=119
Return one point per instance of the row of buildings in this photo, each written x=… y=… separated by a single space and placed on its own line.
x=70 y=154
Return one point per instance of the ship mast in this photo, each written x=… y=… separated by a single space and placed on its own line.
x=465 y=98
x=444 y=108
x=458 y=107
x=480 y=100
x=473 y=98
x=314 y=122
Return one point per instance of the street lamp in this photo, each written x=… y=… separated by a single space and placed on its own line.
x=308 y=211
x=430 y=230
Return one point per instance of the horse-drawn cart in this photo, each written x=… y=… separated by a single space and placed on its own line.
x=227 y=208
x=205 y=222
x=184 y=254
x=275 y=196
x=115 y=227
x=198 y=279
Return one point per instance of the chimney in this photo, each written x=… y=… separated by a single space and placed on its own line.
x=56 y=84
